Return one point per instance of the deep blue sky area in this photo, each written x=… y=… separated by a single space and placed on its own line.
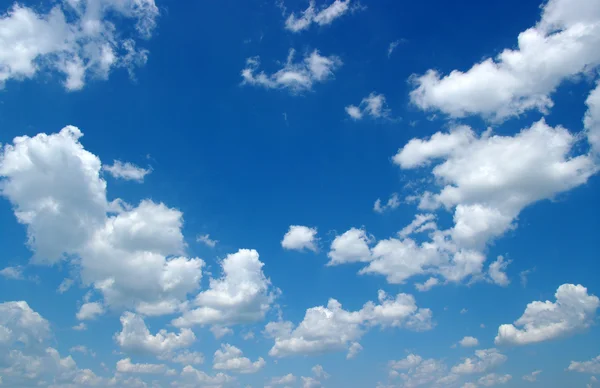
x=245 y=162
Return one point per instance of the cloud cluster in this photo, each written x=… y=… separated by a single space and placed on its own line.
x=79 y=39
x=486 y=180
x=230 y=358
x=331 y=328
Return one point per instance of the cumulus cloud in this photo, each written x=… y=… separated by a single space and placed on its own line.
x=242 y=295
x=186 y=357
x=126 y=171
x=573 y=311
x=294 y=76
x=350 y=247
x=592 y=366
x=592 y=119
x=299 y=238
x=497 y=272
x=230 y=358
x=331 y=328
x=414 y=371
x=220 y=331
x=427 y=285
x=320 y=15
x=197 y=377
x=468 y=342
x=283 y=380
x=373 y=105
x=136 y=337
x=484 y=360
x=131 y=255
x=78 y=39
x=560 y=46
x=26 y=357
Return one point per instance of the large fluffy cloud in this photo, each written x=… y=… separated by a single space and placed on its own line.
x=331 y=328
x=242 y=295
x=560 y=46
x=573 y=311
x=76 y=38
x=294 y=76
x=132 y=255
x=486 y=180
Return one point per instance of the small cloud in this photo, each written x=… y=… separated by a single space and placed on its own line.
x=299 y=238
x=428 y=285
x=220 y=331
x=468 y=342
x=80 y=327
x=14 y=273
x=393 y=45
x=523 y=275
x=392 y=203
x=464 y=311
x=206 y=240
x=79 y=348
x=64 y=285
x=127 y=171
x=532 y=377
x=374 y=105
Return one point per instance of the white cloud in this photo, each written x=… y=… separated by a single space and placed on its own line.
x=353 y=350
x=468 y=342
x=573 y=311
x=331 y=328
x=81 y=326
x=373 y=105
x=136 y=337
x=322 y=16
x=296 y=77
x=560 y=46
x=414 y=371
x=125 y=366
x=127 y=171
x=319 y=372
x=242 y=295
x=494 y=379
x=392 y=203
x=231 y=358
x=187 y=358
x=54 y=184
x=350 y=247
x=198 y=377
x=497 y=272
x=283 y=380
x=523 y=276
x=79 y=348
x=206 y=240
x=90 y=311
x=309 y=382
x=592 y=366
x=428 y=285
x=299 y=238
x=532 y=377
x=484 y=360
x=220 y=331
x=78 y=39
x=14 y=273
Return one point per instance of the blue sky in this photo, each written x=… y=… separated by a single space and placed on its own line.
x=294 y=194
